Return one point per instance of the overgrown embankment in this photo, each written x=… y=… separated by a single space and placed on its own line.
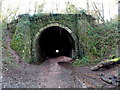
x=100 y=41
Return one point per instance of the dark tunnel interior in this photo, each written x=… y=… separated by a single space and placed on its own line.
x=55 y=41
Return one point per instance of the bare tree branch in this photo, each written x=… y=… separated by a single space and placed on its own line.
x=99 y=14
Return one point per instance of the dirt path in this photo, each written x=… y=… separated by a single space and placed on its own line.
x=48 y=75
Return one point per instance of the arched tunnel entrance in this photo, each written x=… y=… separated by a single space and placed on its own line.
x=53 y=42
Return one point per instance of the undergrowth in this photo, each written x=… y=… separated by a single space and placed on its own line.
x=100 y=41
x=7 y=57
x=85 y=61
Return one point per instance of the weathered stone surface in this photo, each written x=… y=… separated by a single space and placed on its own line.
x=29 y=28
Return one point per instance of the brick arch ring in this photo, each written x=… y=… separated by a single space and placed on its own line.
x=37 y=36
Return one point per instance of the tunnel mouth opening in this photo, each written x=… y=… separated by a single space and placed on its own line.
x=53 y=42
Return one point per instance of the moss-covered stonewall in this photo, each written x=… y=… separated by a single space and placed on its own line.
x=29 y=27
x=21 y=41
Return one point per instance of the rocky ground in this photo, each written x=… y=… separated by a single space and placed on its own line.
x=92 y=78
x=51 y=74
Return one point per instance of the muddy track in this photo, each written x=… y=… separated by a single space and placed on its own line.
x=48 y=75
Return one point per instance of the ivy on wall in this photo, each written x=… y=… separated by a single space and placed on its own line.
x=21 y=41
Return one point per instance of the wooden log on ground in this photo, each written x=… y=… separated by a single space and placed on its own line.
x=105 y=63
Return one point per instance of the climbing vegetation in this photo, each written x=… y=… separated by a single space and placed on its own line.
x=98 y=40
